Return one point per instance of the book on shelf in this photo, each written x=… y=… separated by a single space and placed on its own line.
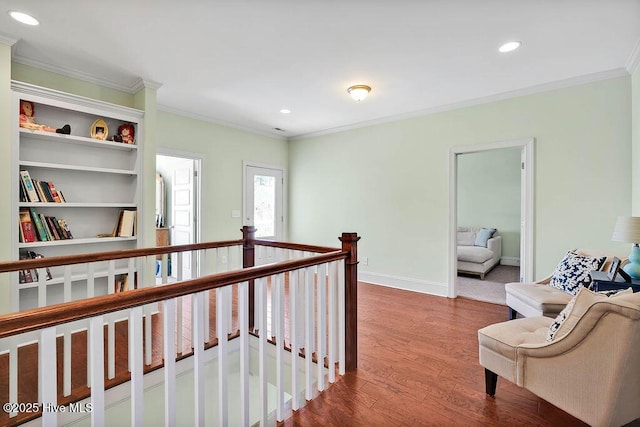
x=65 y=229
x=31 y=275
x=125 y=225
x=27 y=232
x=54 y=193
x=32 y=194
x=45 y=225
x=42 y=232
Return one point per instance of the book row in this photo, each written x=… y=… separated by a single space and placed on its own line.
x=32 y=190
x=31 y=275
x=37 y=227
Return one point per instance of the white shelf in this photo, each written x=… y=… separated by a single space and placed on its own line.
x=81 y=241
x=57 y=166
x=74 y=278
x=76 y=205
x=73 y=139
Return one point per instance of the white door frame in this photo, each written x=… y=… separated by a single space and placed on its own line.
x=285 y=211
x=198 y=167
x=526 y=215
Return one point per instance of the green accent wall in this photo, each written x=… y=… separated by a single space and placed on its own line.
x=389 y=182
x=489 y=194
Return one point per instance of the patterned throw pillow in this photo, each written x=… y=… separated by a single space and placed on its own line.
x=573 y=272
x=576 y=308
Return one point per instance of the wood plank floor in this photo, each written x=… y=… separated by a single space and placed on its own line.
x=418 y=366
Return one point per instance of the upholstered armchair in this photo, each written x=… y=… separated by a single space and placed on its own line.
x=586 y=362
x=544 y=298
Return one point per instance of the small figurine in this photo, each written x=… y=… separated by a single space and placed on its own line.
x=126 y=134
x=99 y=130
x=27 y=120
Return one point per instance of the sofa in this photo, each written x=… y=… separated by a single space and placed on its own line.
x=478 y=249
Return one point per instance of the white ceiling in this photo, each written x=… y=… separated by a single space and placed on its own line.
x=239 y=62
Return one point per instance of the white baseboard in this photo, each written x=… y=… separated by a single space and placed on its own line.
x=510 y=260
x=405 y=283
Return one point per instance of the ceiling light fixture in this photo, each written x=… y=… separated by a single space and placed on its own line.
x=285 y=111
x=509 y=47
x=23 y=17
x=359 y=92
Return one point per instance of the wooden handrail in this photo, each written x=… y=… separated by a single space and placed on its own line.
x=295 y=246
x=110 y=255
x=44 y=317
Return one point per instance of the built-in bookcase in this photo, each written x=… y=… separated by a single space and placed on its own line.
x=98 y=179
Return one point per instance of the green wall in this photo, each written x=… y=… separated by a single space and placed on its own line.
x=389 y=182
x=636 y=140
x=489 y=194
x=223 y=150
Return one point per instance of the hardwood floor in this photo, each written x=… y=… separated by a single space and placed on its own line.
x=418 y=366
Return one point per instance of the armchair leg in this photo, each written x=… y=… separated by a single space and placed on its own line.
x=490 y=382
x=512 y=313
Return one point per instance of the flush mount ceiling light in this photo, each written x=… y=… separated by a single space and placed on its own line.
x=509 y=47
x=359 y=92
x=23 y=17
x=285 y=111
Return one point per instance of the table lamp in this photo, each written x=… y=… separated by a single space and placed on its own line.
x=627 y=229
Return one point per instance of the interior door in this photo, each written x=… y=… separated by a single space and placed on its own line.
x=264 y=201
x=183 y=211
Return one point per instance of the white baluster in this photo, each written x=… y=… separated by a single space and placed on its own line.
x=42 y=287
x=293 y=332
x=91 y=286
x=243 y=324
x=48 y=376
x=13 y=375
x=279 y=329
x=223 y=356
x=96 y=355
x=66 y=357
x=321 y=323
x=333 y=320
x=261 y=293
x=169 y=344
x=111 y=328
x=341 y=319
x=67 y=284
x=309 y=335
x=179 y=335
x=198 y=357
x=136 y=366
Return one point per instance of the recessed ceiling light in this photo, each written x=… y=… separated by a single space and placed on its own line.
x=509 y=47
x=24 y=18
x=285 y=111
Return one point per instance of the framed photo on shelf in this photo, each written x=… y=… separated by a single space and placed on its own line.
x=613 y=269
x=99 y=130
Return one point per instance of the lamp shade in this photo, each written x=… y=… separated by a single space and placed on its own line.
x=627 y=229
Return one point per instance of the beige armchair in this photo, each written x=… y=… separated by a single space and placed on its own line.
x=541 y=299
x=590 y=369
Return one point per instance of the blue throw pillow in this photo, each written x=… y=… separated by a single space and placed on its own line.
x=483 y=236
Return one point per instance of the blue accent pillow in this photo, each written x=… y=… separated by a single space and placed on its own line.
x=483 y=236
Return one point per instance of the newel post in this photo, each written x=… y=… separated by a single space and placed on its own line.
x=248 y=260
x=350 y=245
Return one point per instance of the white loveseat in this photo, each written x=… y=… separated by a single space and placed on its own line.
x=473 y=256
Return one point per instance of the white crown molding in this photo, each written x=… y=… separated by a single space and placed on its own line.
x=634 y=59
x=142 y=83
x=9 y=41
x=62 y=99
x=128 y=88
x=560 y=84
x=218 y=122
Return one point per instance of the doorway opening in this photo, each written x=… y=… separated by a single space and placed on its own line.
x=178 y=208
x=522 y=153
